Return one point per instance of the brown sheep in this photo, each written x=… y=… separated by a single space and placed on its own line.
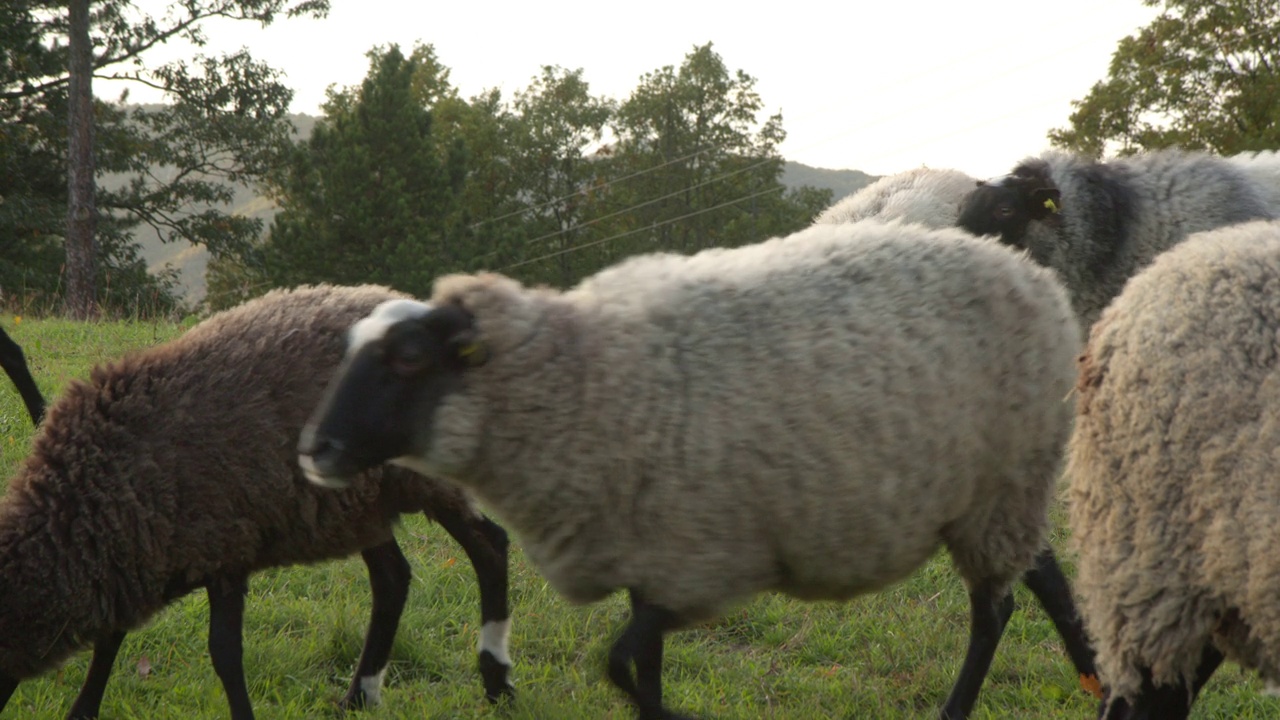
x=175 y=469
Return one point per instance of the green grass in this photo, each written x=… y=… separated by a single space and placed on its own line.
x=889 y=655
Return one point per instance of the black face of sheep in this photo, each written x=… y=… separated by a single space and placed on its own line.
x=1006 y=206
x=397 y=367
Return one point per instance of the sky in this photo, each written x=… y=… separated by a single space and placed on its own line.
x=880 y=87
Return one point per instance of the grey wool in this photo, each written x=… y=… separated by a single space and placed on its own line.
x=928 y=196
x=815 y=414
x=1173 y=462
x=1263 y=168
x=175 y=468
x=1099 y=223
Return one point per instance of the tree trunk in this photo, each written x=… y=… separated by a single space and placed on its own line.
x=82 y=211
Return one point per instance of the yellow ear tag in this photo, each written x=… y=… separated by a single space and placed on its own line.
x=473 y=353
x=1049 y=203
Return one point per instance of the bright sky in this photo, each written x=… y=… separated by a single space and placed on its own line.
x=879 y=87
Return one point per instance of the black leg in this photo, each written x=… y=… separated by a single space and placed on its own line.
x=1053 y=591
x=226 y=649
x=641 y=643
x=989 y=617
x=89 y=700
x=7 y=686
x=389 y=576
x=1166 y=702
x=485 y=543
x=13 y=362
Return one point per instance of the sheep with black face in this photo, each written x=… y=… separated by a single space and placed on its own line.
x=1099 y=223
x=815 y=415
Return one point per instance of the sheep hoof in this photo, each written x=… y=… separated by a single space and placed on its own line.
x=496 y=676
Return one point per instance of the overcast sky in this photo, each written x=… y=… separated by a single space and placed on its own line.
x=880 y=87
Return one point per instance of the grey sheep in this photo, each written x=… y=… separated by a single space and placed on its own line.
x=175 y=469
x=927 y=196
x=1173 y=464
x=1099 y=223
x=1263 y=168
x=814 y=415
x=15 y=366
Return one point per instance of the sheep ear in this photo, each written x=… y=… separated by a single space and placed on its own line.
x=468 y=349
x=1045 y=202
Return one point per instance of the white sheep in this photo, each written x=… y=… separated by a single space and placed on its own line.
x=1099 y=223
x=1173 y=466
x=928 y=196
x=814 y=415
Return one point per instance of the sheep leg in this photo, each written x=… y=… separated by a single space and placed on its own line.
x=1161 y=702
x=989 y=616
x=389 y=577
x=7 y=686
x=485 y=543
x=1053 y=591
x=15 y=365
x=95 y=682
x=226 y=640
x=641 y=643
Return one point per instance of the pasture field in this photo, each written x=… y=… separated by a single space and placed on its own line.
x=884 y=656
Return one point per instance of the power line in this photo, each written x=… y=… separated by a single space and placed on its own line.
x=658 y=224
x=878 y=120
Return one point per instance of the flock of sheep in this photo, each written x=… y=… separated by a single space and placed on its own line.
x=814 y=415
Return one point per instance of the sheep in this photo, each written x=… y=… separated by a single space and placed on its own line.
x=1172 y=466
x=1099 y=223
x=15 y=366
x=1264 y=169
x=814 y=414
x=923 y=195
x=174 y=469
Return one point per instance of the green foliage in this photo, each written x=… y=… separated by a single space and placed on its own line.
x=165 y=168
x=691 y=168
x=367 y=197
x=551 y=186
x=1205 y=74
x=890 y=655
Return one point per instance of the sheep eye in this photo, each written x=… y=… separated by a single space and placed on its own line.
x=408 y=361
x=1004 y=211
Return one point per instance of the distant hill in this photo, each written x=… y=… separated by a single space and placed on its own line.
x=192 y=261
x=841 y=183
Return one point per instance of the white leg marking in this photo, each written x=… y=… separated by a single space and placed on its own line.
x=372 y=687
x=494 y=637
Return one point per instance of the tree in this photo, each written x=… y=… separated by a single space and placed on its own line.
x=82 y=209
x=226 y=120
x=1205 y=74
x=370 y=193
x=557 y=121
x=693 y=166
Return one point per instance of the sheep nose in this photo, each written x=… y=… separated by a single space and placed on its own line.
x=321 y=460
x=317 y=444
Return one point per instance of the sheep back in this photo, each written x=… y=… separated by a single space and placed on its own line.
x=1173 y=462
x=177 y=464
x=814 y=414
x=1263 y=168
x=927 y=196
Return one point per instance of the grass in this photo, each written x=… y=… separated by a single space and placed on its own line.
x=888 y=655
